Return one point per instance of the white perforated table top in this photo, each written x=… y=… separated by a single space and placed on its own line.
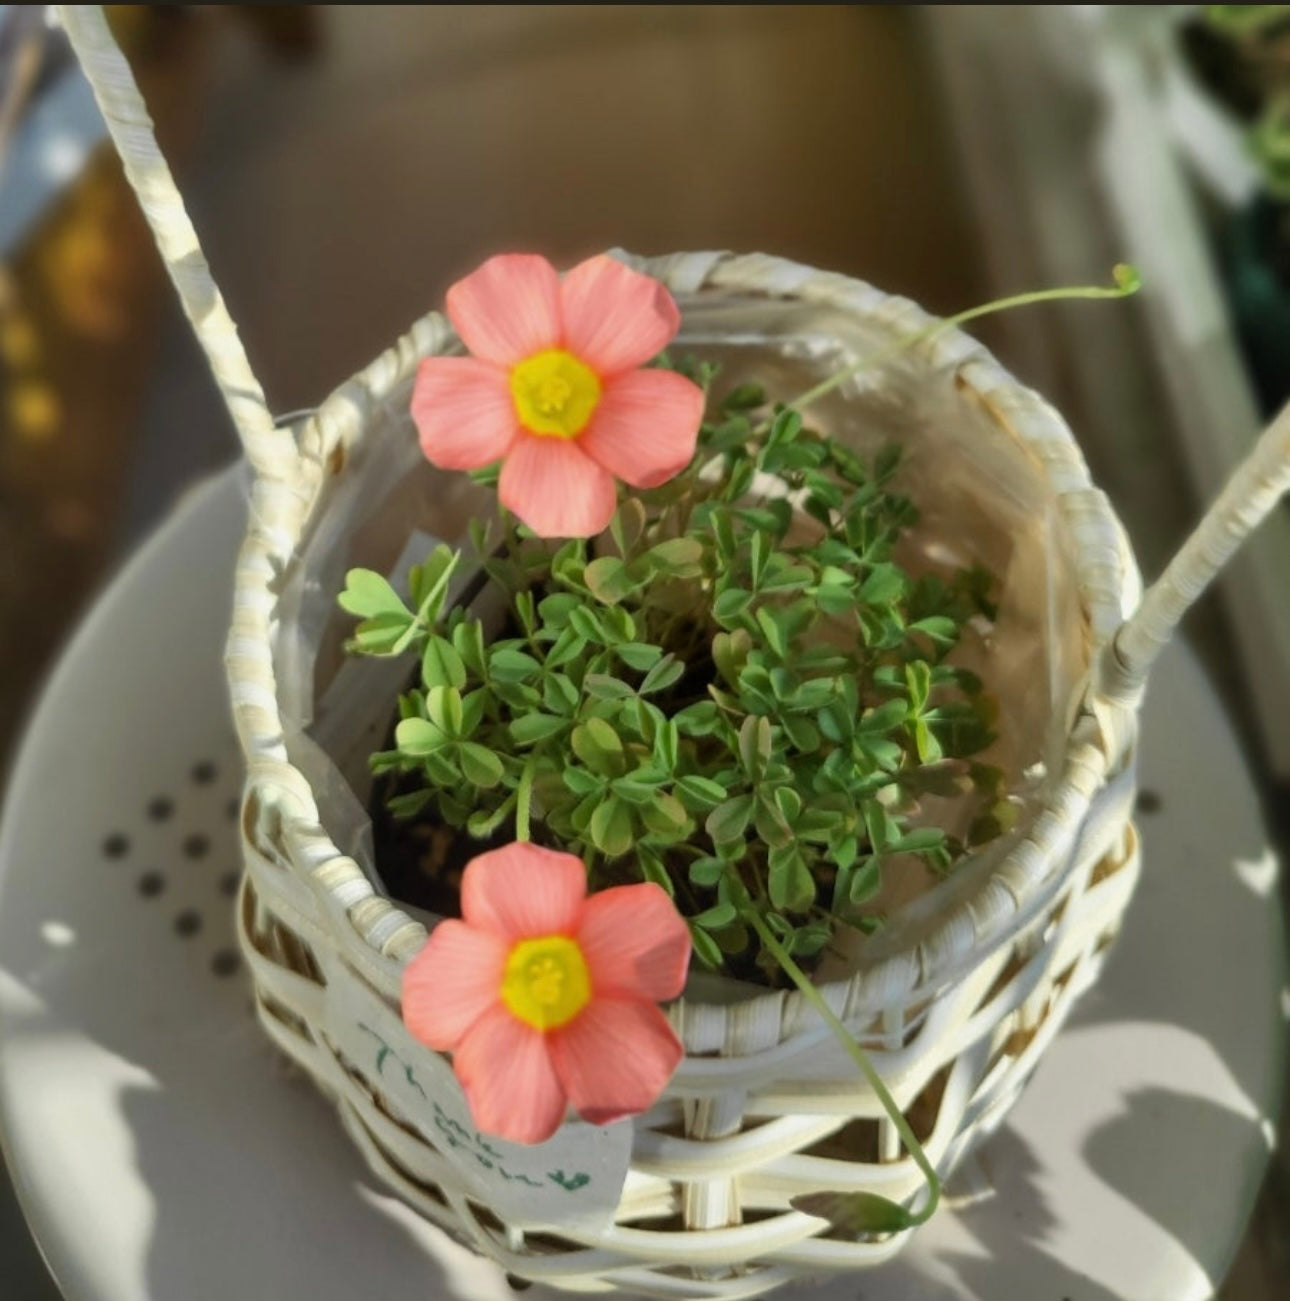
x=163 y=1153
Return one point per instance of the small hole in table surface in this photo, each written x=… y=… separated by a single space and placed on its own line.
x=226 y=962
x=188 y=922
x=151 y=884
x=161 y=808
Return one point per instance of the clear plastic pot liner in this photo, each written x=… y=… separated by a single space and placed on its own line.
x=983 y=499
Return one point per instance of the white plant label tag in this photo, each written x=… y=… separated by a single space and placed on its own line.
x=574 y=1179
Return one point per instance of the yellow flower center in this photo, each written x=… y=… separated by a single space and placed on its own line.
x=554 y=393
x=546 y=983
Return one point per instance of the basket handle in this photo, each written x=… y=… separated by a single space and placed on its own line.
x=1250 y=495
x=270 y=450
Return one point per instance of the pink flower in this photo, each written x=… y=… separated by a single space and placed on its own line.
x=546 y=996
x=553 y=389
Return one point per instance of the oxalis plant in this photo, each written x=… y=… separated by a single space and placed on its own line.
x=725 y=684
x=741 y=696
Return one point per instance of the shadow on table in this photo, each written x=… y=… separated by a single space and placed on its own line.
x=1126 y=1150
x=246 y=1181
x=1009 y=1248
x=247 y=1239
x=275 y=1182
x=1219 y=934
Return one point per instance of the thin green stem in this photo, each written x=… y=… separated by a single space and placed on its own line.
x=524 y=800
x=1126 y=282
x=857 y=1055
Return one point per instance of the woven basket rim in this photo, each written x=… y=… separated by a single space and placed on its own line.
x=1018 y=885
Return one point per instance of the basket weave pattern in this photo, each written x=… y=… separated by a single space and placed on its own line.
x=955 y=1023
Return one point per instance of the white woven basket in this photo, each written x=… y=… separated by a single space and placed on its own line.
x=761 y=1109
x=957 y=1002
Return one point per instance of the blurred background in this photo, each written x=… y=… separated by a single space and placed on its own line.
x=344 y=164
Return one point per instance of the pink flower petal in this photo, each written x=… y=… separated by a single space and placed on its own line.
x=615 y=318
x=556 y=490
x=645 y=427
x=635 y=943
x=512 y=1088
x=522 y=891
x=508 y=309
x=615 y=1058
x=463 y=412
x=451 y=983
